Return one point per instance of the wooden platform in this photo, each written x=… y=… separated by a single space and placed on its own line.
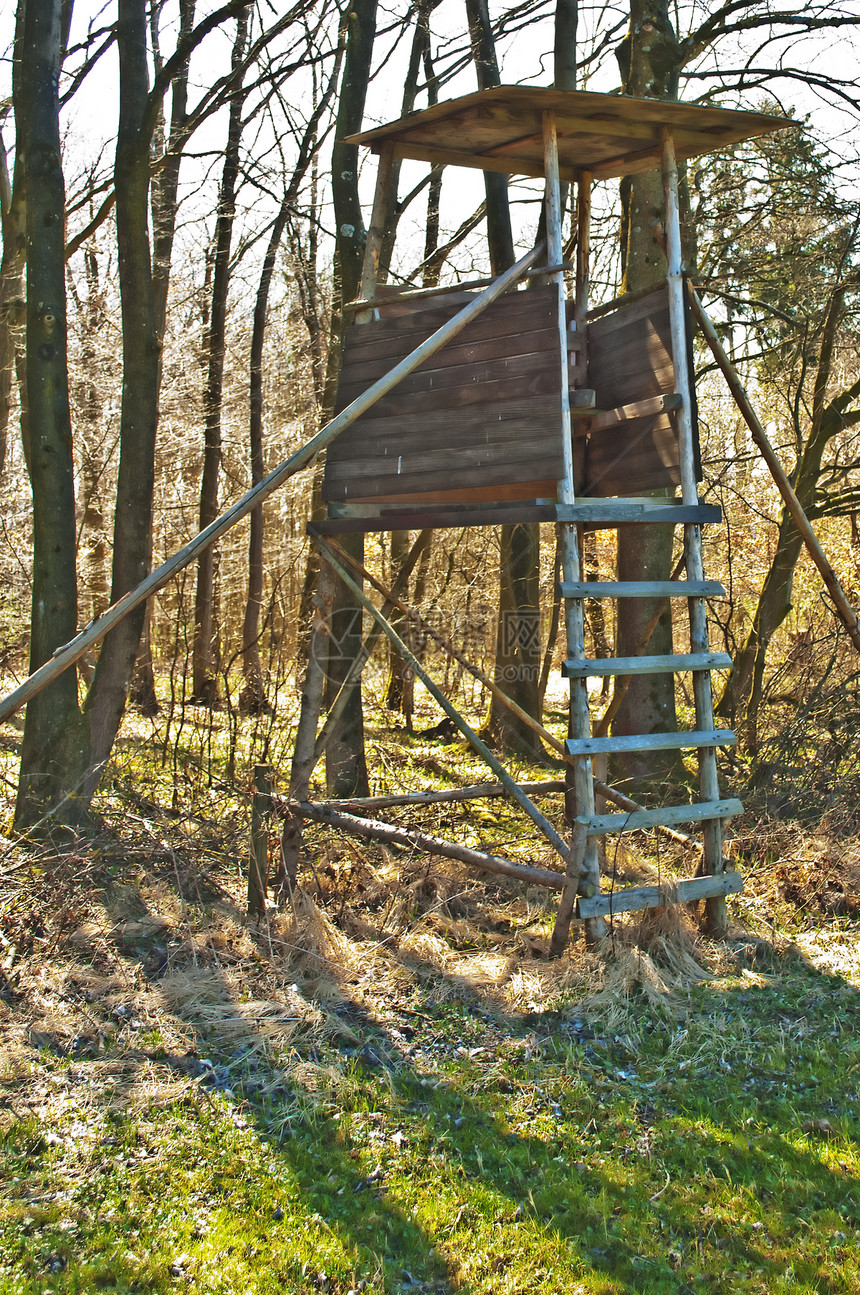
x=500 y=129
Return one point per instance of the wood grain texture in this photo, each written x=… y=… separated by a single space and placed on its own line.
x=650 y=742
x=629 y=365
x=666 y=816
x=500 y=129
x=481 y=415
x=608 y=666
x=641 y=897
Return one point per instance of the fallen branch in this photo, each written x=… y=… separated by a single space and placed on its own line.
x=415 y=840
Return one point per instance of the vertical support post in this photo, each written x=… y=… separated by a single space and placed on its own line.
x=583 y=256
x=582 y=871
x=708 y=777
x=261 y=803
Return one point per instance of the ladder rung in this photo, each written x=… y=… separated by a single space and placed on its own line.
x=666 y=816
x=679 y=892
x=650 y=742
x=624 y=665
x=642 y=589
x=617 y=512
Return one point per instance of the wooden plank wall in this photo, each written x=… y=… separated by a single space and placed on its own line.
x=479 y=419
x=630 y=359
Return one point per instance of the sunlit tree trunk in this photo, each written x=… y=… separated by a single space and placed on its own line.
x=346 y=765
x=164 y=205
x=649 y=59
x=54 y=750
x=206 y=630
x=141 y=367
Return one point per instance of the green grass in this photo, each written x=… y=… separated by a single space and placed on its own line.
x=450 y=1149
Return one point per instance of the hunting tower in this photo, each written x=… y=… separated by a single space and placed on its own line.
x=490 y=403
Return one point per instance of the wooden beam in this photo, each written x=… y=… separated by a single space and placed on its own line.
x=455 y=157
x=665 y=816
x=412 y=839
x=423 y=294
x=642 y=589
x=70 y=652
x=481 y=791
x=627 y=665
x=583 y=865
x=333 y=555
x=682 y=358
x=651 y=742
x=626 y=299
x=678 y=892
x=617 y=512
x=601 y=420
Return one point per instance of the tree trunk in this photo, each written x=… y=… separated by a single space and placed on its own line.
x=204 y=688
x=141 y=367
x=346 y=766
x=253 y=700
x=11 y=285
x=649 y=59
x=54 y=750
x=517 y=665
x=745 y=684
x=164 y=205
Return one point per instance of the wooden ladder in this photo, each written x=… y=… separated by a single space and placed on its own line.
x=582 y=893
x=711 y=810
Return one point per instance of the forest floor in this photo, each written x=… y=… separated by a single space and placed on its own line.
x=386 y=1086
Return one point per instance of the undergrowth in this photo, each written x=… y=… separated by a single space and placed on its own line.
x=386 y=1086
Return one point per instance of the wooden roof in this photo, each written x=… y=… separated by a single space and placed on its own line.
x=609 y=135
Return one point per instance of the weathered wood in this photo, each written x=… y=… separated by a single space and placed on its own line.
x=582 y=865
x=644 y=450
x=410 y=295
x=573 y=875
x=522 y=328
x=304 y=755
x=617 y=512
x=626 y=299
x=411 y=455
x=444 y=387
x=415 y=840
x=497 y=415
x=846 y=612
x=261 y=804
x=438 y=516
x=604 y=419
x=301 y=791
x=376 y=229
x=630 y=356
x=709 y=783
x=583 y=401
x=650 y=742
x=544 y=826
x=69 y=653
x=678 y=892
x=625 y=665
x=509 y=315
x=500 y=129
x=642 y=589
x=481 y=791
x=665 y=816
x=611 y=794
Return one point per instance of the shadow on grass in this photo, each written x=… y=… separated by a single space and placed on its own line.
x=477 y=1152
